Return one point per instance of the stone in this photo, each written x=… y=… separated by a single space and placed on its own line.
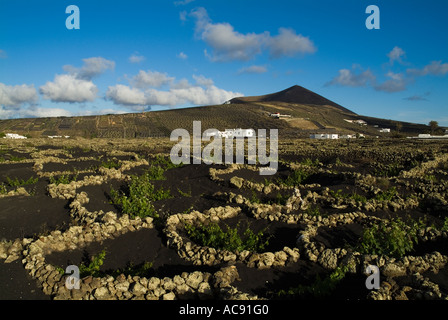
x=266 y=260
x=101 y=293
x=122 y=286
x=328 y=259
x=237 y=182
x=169 y=296
x=204 y=290
x=184 y=292
x=194 y=279
x=153 y=283
x=168 y=284
x=225 y=276
x=138 y=289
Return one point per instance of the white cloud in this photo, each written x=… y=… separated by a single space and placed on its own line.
x=124 y=95
x=16 y=96
x=396 y=83
x=396 y=55
x=145 y=79
x=203 y=81
x=288 y=43
x=253 y=69
x=135 y=58
x=68 y=88
x=436 y=68
x=229 y=44
x=182 y=56
x=347 y=77
x=180 y=93
x=92 y=67
x=33 y=112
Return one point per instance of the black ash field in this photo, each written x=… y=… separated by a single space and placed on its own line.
x=139 y=227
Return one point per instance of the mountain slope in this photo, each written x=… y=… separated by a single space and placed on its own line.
x=295 y=94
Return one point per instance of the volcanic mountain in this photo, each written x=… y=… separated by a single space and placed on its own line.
x=295 y=94
x=296 y=112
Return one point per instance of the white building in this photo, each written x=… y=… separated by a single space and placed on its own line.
x=347 y=136
x=279 y=115
x=359 y=121
x=324 y=136
x=13 y=136
x=385 y=130
x=233 y=133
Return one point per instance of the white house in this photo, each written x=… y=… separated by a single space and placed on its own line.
x=279 y=115
x=359 y=121
x=324 y=136
x=13 y=136
x=385 y=130
x=233 y=133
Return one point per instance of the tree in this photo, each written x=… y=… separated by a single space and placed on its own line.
x=433 y=125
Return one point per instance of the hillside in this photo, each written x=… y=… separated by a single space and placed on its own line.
x=307 y=113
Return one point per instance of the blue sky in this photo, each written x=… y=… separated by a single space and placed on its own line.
x=132 y=56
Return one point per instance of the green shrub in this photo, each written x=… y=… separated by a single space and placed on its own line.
x=93 y=268
x=3 y=189
x=212 y=235
x=387 y=195
x=445 y=225
x=254 y=197
x=310 y=163
x=16 y=182
x=110 y=164
x=355 y=196
x=156 y=173
x=320 y=287
x=296 y=178
x=138 y=202
x=141 y=270
x=394 y=239
x=63 y=179
x=184 y=194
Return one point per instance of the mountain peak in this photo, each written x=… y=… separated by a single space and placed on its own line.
x=295 y=94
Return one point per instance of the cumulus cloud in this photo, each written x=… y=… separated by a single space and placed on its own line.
x=92 y=67
x=396 y=55
x=253 y=69
x=229 y=44
x=33 y=112
x=135 y=58
x=124 y=95
x=182 y=56
x=396 y=83
x=68 y=88
x=203 y=81
x=288 y=43
x=182 y=92
x=145 y=79
x=435 y=68
x=350 y=78
x=16 y=96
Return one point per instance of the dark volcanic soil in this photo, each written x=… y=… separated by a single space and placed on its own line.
x=192 y=189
